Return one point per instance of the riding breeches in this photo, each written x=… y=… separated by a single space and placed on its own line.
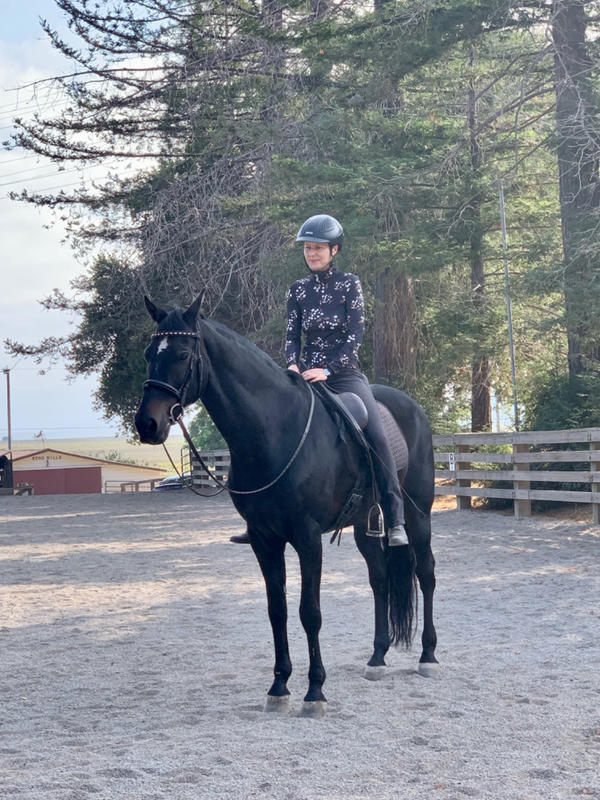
x=351 y=380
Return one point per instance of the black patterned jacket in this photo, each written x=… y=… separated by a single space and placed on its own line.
x=329 y=309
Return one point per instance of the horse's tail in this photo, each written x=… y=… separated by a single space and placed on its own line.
x=402 y=594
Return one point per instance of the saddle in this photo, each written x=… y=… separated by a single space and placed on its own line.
x=351 y=411
x=351 y=416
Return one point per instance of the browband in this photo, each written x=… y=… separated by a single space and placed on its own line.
x=174 y=333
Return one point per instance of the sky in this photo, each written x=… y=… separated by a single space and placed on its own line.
x=35 y=257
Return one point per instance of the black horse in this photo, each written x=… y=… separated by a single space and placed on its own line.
x=292 y=472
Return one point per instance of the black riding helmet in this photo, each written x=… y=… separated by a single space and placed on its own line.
x=321 y=228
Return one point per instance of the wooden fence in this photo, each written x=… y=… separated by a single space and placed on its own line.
x=146 y=485
x=467 y=464
x=217 y=460
x=470 y=462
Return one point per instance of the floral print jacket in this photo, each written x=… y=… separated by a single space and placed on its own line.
x=329 y=309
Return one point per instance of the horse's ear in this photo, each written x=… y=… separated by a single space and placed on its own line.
x=156 y=313
x=193 y=312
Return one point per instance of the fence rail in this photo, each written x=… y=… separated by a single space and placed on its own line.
x=464 y=470
x=217 y=460
x=131 y=486
x=463 y=463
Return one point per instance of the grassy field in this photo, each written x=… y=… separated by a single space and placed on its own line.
x=111 y=448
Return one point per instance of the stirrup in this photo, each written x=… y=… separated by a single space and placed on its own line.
x=375 y=526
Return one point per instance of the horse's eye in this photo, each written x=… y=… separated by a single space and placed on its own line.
x=183 y=356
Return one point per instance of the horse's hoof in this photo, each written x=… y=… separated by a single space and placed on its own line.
x=278 y=705
x=374 y=673
x=315 y=709
x=429 y=669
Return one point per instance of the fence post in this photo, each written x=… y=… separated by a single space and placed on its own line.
x=522 y=508
x=595 y=487
x=463 y=503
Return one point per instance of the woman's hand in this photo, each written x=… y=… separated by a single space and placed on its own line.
x=315 y=374
x=294 y=368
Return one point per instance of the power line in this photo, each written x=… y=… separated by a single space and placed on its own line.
x=30 y=169
x=20 y=158
x=38 y=178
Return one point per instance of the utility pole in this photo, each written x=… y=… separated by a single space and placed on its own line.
x=511 y=346
x=6 y=371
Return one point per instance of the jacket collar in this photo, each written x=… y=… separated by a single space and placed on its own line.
x=323 y=277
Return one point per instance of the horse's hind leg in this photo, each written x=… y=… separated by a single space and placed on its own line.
x=374 y=555
x=418 y=527
x=272 y=563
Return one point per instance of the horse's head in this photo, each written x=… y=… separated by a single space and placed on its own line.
x=175 y=374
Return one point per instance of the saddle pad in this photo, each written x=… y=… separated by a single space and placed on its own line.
x=395 y=438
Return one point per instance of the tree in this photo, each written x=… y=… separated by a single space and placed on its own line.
x=397 y=119
x=577 y=109
x=204 y=432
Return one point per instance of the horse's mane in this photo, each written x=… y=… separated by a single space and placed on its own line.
x=223 y=331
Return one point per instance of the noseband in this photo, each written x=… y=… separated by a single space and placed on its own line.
x=176 y=410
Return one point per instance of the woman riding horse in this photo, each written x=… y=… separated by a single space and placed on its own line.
x=328 y=307
x=295 y=474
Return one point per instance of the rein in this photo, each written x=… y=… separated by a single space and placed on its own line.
x=220 y=483
x=176 y=415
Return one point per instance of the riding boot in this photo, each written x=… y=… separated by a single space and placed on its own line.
x=240 y=538
x=392 y=503
x=397 y=536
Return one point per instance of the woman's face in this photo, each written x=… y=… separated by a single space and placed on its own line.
x=317 y=255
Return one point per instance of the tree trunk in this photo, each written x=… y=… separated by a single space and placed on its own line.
x=394 y=350
x=578 y=178
x=481 y=405
x=394 y=315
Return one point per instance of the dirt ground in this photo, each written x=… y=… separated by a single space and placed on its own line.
x=135 y=654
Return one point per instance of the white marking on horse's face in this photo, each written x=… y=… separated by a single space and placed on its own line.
x=164 y=343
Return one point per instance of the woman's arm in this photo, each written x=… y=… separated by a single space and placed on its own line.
x=355 y=323
x=294 y=330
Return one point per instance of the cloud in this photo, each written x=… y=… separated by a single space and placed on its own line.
x=22 y=63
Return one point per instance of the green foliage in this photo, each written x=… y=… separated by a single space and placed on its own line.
x=565 y=401
x=399 y=121
x=204 y=432
x=115 y=455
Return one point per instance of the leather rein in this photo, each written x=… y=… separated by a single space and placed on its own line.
x=176 y=414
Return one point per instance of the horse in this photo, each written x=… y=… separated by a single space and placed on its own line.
x=292 y=472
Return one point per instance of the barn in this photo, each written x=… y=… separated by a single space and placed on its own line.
x=52 y=471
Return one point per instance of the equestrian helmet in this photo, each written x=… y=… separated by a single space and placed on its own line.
x=321 y=228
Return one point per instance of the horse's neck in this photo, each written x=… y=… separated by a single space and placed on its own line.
x=249 y=398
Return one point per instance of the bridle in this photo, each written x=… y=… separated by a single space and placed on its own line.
x=176 y=413
x=176 y=410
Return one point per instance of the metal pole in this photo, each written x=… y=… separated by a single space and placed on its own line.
x=511 y=346
x=6 y=371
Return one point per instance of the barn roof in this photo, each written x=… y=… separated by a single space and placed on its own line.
x=18 y=455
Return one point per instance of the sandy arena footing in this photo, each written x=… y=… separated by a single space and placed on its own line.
x=135 y=656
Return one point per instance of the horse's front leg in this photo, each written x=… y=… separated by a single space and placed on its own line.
x=271 y=559
x=310 y=553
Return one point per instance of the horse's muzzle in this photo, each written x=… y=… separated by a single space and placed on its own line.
x=153 y=428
